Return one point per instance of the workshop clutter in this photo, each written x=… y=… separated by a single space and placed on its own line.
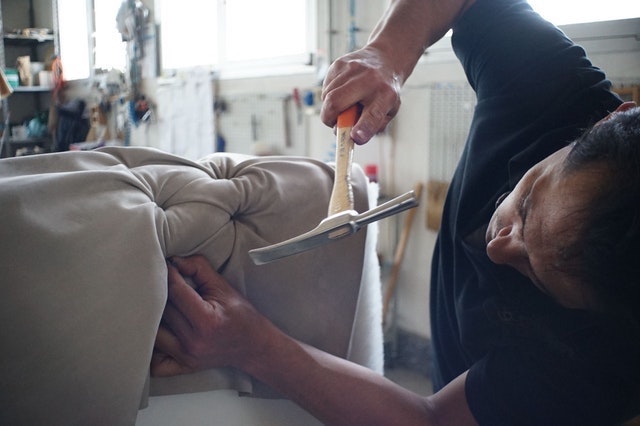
x=28 y=73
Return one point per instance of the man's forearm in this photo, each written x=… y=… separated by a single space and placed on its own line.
x=216 y=326
x=332 y=389
x=409 y=27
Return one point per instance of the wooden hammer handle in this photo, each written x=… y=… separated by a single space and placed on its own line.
x=342 y=193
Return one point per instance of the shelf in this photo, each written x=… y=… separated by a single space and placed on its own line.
x=12 y=145
x=27 y=28
x=32 y=89
x=28 y=141
x=20 y=40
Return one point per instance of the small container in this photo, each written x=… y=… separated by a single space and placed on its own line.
x=45 y=79
x=19 y=132
x=36 y=67
x=12 y=77
x=371 y=170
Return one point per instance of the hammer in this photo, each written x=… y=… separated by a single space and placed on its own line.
x=342 y=219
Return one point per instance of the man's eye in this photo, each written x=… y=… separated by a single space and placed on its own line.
x=522 y=207
x=502 y=198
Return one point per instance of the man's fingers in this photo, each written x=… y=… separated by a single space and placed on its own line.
x=189 y=306
x=195 y=267
x=175 y=320
x=210 y=285
x=185 y=265
x=169 y=356
x=167 y=342
x=163 y=365
x=378 y=107
x=374 y=119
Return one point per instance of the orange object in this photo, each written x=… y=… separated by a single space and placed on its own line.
x=58 y=77
x=348 y=117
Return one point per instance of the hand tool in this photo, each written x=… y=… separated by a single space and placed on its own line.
x=342 y=220
x=399 y=255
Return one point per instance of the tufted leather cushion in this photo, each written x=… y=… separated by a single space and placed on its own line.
x=83 y=242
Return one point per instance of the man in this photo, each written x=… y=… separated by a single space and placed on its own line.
x=534 y=305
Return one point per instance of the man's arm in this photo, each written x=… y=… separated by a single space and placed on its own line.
x=372 y=76
x=214 y=326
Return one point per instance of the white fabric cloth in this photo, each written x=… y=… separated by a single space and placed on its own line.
x=83 y=242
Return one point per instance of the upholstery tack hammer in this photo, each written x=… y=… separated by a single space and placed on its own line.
x=342 y=220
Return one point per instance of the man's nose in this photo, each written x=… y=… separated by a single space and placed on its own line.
x=507 y=248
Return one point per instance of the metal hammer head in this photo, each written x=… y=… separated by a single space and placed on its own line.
x=332 y=228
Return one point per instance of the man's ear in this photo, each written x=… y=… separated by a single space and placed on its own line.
x=624 y=107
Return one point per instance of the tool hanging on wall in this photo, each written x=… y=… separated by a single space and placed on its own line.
x=219 y=108
x=132 y=20
x=353 y=28
x=342 y=220
x=399 y=256
x=298 y=104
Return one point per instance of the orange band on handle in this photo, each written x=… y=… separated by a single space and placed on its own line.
x=348 y=117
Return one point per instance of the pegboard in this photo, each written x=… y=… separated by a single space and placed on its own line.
x=261 y=124
x=452 y=106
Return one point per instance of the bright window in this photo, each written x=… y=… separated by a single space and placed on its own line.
x=78 y=35
x=110 y=51
x=188 y=33
x=562 y=12
x=73 y=34
x=265 y=29
x=236 y=33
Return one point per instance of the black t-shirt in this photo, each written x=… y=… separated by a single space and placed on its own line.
x=530 y=360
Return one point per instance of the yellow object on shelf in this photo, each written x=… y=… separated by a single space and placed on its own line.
x=5 y=86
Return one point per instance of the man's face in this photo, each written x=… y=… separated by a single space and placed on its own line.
x=537 y=219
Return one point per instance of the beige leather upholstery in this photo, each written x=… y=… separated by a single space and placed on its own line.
x=83 y=242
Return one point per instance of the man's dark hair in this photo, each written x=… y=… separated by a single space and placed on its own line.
x=606 y=255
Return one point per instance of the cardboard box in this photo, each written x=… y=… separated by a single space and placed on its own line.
x=45 y=78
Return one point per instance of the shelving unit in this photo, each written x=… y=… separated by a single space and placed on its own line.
x=26 y=31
